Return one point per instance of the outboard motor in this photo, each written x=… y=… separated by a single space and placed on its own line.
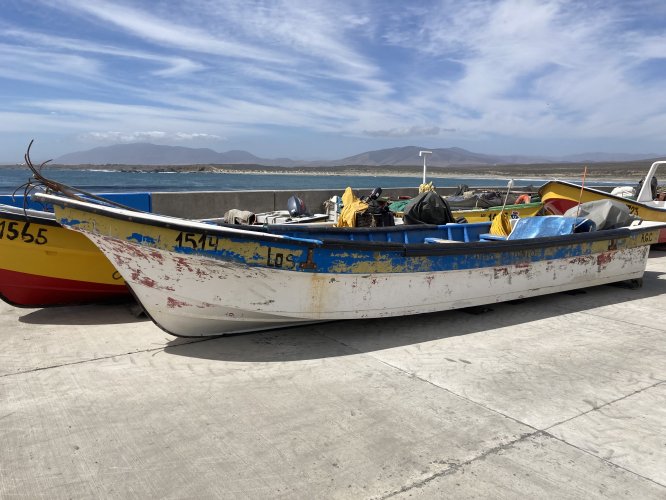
x=296 y=206
x=377 y=214
x=374 y=195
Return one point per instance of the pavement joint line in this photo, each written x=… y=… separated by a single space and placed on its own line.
x=609 y=462
x=506 y=445
x=101 y=358
x=457 y=466
x=430 y=382
x=546 y=431
x=637 y=391
x=536 y=432
x=606 y=318
x=587 y=452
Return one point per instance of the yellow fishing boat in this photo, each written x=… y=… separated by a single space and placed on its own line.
x=649 y=203
x=44 y=264
x=488 y=214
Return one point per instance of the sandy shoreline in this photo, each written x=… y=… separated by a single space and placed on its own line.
x=438 y=174
x=628 y=173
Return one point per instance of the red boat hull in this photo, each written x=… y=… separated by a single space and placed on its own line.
x=30 y=290
x=557 y=206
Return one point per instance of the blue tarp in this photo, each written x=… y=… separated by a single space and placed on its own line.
x=549 y=225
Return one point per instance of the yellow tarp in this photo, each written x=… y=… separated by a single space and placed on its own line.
x=501 y=225
x=351 y=205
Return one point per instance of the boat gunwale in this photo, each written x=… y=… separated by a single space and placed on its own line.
x=424 y=249
x=28 y=215
x=408 y=249
x=514 y=206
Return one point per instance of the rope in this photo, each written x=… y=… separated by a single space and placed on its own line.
x=426 y=187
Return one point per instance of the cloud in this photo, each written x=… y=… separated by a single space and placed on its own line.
x=147 y=26
x=39 y=65
x=57 y=45
x=406 y=132
x=293 y=36
x=142 y=136
x=534 y=68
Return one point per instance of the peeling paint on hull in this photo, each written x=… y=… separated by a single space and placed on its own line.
x=214 y=297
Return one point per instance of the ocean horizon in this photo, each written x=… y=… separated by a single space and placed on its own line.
x=101 y=180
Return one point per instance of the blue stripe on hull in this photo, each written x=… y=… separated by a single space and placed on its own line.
x=332 y=260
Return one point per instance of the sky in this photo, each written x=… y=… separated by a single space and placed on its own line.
x=311 y=79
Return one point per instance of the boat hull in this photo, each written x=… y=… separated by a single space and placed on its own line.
x=43 y=264
x=30 y=290
x=215 y=297
x=560 y=196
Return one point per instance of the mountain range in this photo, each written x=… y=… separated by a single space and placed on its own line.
x=153 y=154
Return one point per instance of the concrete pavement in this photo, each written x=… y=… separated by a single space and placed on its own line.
x=561 y=396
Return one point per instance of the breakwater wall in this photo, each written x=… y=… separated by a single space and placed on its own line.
x=214 y=204
x=209 y=204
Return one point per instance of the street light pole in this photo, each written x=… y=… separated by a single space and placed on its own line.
x=424 y=153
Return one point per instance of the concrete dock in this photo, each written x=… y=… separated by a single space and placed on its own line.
x=561 y=396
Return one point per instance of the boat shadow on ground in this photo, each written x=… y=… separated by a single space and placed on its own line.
x=345 y=338
x=90 y=314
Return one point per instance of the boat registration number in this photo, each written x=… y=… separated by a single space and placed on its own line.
x=12 y=230
x=209 y=242
x=197 y=241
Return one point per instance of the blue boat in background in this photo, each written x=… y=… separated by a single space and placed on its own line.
x=137 y=201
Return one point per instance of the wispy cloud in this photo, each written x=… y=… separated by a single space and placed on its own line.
x=406 y=132
x=142 y=23
x=142 y=136
x=39 y=65
x=171 y=65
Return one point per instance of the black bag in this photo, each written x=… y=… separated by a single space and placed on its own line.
x=427 y=208
x=376 y=215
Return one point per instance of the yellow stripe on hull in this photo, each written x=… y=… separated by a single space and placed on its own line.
x=53 y=251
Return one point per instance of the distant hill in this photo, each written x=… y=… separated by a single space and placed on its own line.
x=442 y=157
x=606 y=157
x=152 y=154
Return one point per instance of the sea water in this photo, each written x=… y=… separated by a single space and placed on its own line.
x=98 y=181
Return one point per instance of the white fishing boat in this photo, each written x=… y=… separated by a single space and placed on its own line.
x=198 y=279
